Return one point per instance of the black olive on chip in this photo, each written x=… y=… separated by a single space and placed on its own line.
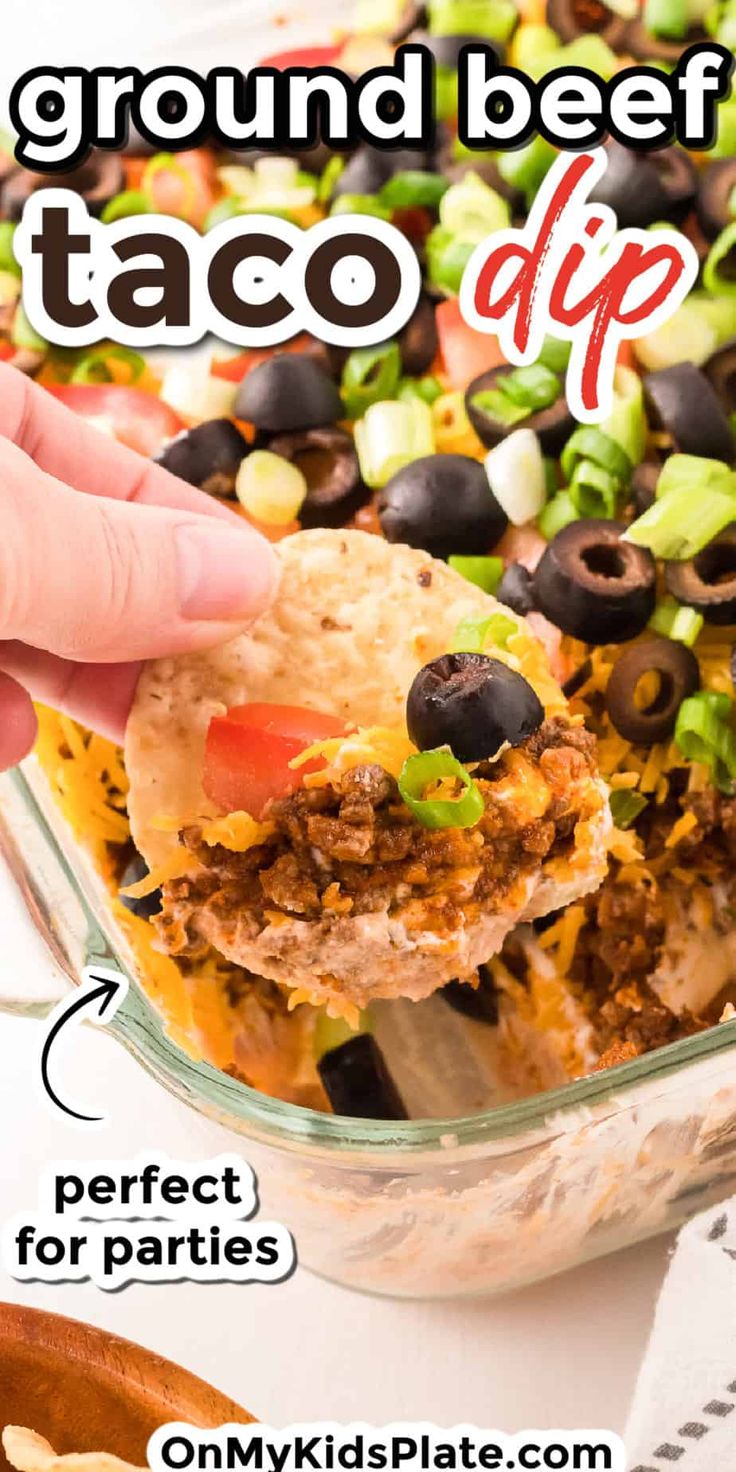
x=716 y=186
x=720 y=371
x=642 y=188
x=516 y=589
x=97 y=180
x=207 y=456
x=479 y=1002
x=418 y=341
x=443 y=504
x=553 y=425
x=473 y=704
x=681 y=401
x=329 y=464
x=648 y=716
x=289 y=391
x=708 y=582
x=573 y=18
x=643 y=485
x=357 y=1082
x=150 y=904
x=594 y=586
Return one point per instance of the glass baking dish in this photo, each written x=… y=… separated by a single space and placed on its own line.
x=444 y=1207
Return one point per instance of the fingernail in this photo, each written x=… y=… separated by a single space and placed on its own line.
x=223 y=573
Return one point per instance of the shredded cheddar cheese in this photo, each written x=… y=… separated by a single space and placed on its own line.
x=369 y=745
x=237 y=832
x=178 y=863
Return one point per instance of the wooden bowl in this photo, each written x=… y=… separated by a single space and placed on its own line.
x=88 y=1391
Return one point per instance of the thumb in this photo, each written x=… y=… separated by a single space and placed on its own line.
x=93 y=579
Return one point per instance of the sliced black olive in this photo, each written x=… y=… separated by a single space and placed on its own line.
x=516 y=589
x=418 y=342
x=644 y=46
x=642 y=188
x=594 y=586
x=97 y=180
x=370 y=168
x=479 y=1002
x=708 y=582
x=329 y=464
x=443 y=504
x=717 y=183
x=720 y=371
x=577 y=679
x=289 y=391
x=150 y=905
x=357 y=1082
x=207 y=456
x=471 y=703
x=574 y=18
x=553 y=426
x=446 y=49
x=644 y=485
x=677 y=676
x=681 y=401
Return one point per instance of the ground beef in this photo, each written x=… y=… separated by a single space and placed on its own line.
x=354 y=847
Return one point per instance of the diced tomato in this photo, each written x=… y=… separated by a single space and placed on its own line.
x=414 y=222
x=550 y=637
x=521 y=544
x=233 y=370
x=248 y=751
x=7 y=350
x=465 y=352
x=302 y=56
x=130 y=415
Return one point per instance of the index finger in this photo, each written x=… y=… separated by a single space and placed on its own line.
x=67 y=447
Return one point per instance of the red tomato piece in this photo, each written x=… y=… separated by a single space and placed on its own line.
x=465 y=352
x=136 y=418
x=302 y=56
x=248 y=751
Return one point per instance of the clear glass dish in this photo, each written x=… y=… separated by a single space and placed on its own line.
x=431 y=1208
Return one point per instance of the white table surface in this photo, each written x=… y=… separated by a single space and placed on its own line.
x=564 y=1353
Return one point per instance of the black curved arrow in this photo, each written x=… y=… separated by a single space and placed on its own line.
x=98 y=992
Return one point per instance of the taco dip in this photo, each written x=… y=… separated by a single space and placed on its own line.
x=427 y=877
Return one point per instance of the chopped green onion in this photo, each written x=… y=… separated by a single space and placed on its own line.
x=424 y=770
x=589 y=443
x=473 y=635
x=447 y=258
x=686 y=335
x=666 y=18
x=516 y=476
x=695 y=472
x=593 y=491
x=470 y=209
x=92 y=366
x=721 y=252
x=10 y=288
x=225 y=209
x=558 y=512
x=704 y=733
x=534 y=387
x=331 y=172
x=7 y=256
x=555 y=354
x=724 y=144
x=495 y=402
x=626 y=424
x=681 y=524
x=676 y=621
x=370 y=375
x=589 y=51
x=445 y=93
x=485 y=572
x=718 y=311
x=551 y=483
x=413 y=187
x=626 y=806
x=391 y=435
x=525 y=168
x=428 y=388
x=122 y=206
x=359 y=204
x=270 y=488
x=533 y=45
x=24 y=335
x=493 y=20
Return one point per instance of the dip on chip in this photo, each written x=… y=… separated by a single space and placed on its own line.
x=308 y=824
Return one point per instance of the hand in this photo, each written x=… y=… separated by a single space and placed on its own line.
x=106 y=560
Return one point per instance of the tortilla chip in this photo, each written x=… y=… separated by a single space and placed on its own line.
x=29 y=1452
x=355 y=618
